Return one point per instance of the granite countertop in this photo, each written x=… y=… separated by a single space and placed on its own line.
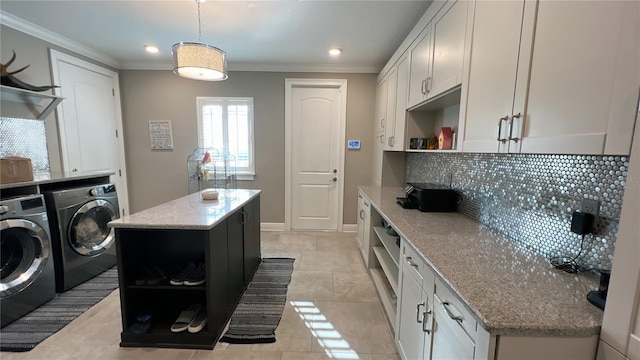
x=56 y=177
x=189 y=212
x=510 y=289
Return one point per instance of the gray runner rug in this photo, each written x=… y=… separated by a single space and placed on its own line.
x=28 y=331
x=258 y=314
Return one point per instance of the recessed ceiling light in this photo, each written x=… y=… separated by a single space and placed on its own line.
x=151 y=49
x=335 y=51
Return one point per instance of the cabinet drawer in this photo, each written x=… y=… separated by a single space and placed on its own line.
x=414 y=261
x=455 y=309
x=419 y=268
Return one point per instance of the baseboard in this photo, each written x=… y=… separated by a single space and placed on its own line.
x=349 y=227
x=281 y=227
x=271 y=226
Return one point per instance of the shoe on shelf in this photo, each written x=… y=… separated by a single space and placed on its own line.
x=142 y=275
x=142 y=323
x=197 y=276
x=156 y=276
x=184 y=319
x=182 y=276
x=199 y=321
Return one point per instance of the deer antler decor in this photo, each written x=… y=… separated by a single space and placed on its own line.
x=8 y=79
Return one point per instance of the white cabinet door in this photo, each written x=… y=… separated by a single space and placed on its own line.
x=90 y=121
x=411 y=337
x=583 y=89
x=392 y=88
x=376 y=168
x=364 y=216
x=397 y=91
x=449 y=29
x=381 y=106
x=450 y=342
x=360 y=220
x=492 y=77
x=401 y=105
x=420 y=66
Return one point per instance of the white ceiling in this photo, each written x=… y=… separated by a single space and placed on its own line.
x=256 y=35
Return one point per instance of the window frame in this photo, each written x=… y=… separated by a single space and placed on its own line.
x=247 y=173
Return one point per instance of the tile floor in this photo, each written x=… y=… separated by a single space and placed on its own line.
x=329 y=280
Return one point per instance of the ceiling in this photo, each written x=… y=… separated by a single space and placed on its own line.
x=256 y=35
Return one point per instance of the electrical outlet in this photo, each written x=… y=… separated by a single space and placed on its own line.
x=590 y=206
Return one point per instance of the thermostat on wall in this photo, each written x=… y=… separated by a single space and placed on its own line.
x=353 y=144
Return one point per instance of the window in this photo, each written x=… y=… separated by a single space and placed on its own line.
x=226 y=124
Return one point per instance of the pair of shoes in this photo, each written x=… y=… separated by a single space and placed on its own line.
x=142 y=323
x=150 y=275
x=191 y=275
x=193 y=318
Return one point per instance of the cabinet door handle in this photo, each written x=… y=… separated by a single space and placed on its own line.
x=499 y=137
x=457 y=318
x=424 y=321
x=359 y=196
x=428 y=82
x=423 y=87
x=410 y=261
x=381 y=139
x=362 y=214
x=516 y=116
x=418 y=320
x=366 y=204
x=382 y=123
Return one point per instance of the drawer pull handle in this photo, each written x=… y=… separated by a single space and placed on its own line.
x=424 y=321
x=418 y=312
x=457 y=318
x=410 y=261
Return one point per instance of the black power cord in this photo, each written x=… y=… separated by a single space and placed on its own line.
x=570 y=265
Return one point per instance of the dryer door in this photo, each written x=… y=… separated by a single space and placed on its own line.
x=89 y=234
x=24 y=253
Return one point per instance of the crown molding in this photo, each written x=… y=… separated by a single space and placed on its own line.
x=286 y=68
x=53 y=38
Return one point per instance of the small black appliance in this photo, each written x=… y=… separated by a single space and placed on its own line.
x=429 y=198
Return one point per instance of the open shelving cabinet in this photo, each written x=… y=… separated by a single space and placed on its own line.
x=384 y=267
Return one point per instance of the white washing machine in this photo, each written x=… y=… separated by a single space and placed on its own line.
x=28 y=279
x=83 y=244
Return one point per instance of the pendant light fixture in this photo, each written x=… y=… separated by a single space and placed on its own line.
x=199 y=61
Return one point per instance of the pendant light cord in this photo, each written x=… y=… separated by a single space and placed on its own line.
x=199 y=24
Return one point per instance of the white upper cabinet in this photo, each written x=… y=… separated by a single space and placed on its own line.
x=585 y=71
x=492 y=77
x=397 y=91
x=420 y=54
x=381 y=106
x=449 y=29
x=437 y=54
x=571 y=87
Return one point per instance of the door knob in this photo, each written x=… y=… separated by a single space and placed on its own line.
x=335 y=171
x=334 y=179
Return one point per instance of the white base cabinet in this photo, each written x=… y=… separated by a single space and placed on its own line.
x=429 y=321
x=415 y=314
x=364 y=227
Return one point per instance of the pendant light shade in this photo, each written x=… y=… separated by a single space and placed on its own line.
x=199 y=61
x=195 y=60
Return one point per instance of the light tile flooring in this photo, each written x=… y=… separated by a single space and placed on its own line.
x=329 y=281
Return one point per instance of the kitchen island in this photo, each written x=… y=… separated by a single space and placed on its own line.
x=223 y=234
x=490 y=296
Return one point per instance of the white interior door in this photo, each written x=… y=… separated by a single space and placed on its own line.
x=315 y=129
x=89 y=120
